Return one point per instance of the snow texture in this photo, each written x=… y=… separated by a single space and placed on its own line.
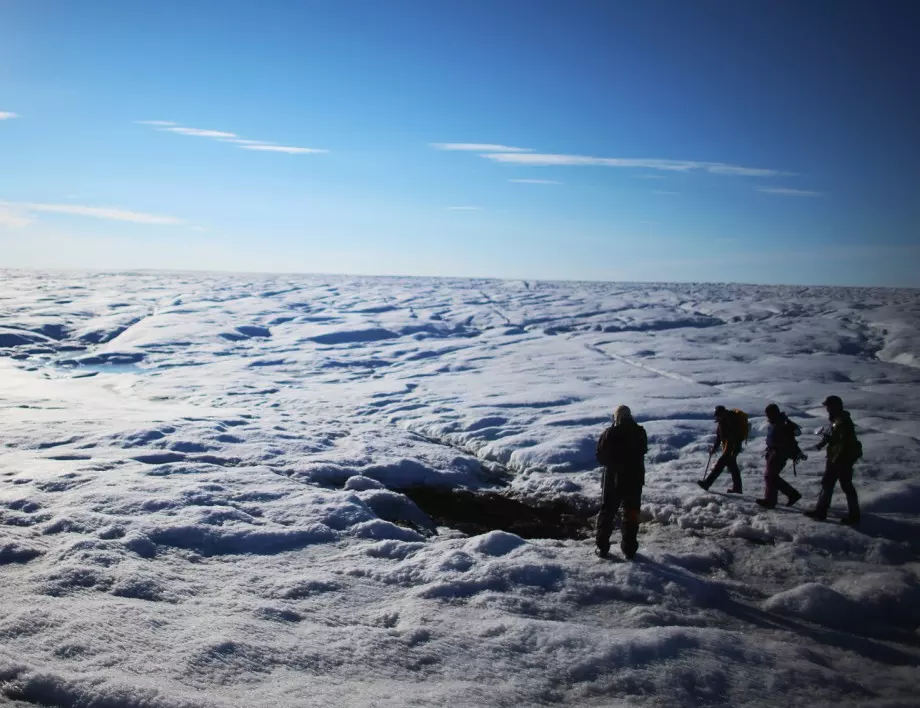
x=202 y=477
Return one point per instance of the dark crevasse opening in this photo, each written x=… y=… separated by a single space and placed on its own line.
x=477 y=512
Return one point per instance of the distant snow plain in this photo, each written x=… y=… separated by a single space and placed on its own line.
x=198 y=505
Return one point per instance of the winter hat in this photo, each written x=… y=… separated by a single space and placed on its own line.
x=833 y=402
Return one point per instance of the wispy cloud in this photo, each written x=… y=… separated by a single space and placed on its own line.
x=114 y=214
x=7 y=115
x=464 y=208
x=244 y=141
x=225 y=136
x=535 y=181
x=790 y=192
x=200 y=133
x=282 y=148
x=553 y=160
x=479 y=147
x=12 y=218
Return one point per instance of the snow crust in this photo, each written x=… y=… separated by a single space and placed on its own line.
x=201 y=505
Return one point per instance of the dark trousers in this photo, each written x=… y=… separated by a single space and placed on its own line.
x=833 y=473
x=617 y=491
x=773 y=483
x=730 y=460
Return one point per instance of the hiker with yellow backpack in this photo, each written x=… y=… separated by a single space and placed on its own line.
x=731 y=432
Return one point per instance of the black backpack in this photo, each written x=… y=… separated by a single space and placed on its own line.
x=637 y=442
x=792 y=451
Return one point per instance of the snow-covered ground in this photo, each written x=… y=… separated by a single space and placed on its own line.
x=197 y=502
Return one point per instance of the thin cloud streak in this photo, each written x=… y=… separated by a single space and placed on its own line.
x=244 y=141
x=558 y=160
x=7 y=115
x=790 y=192
x=479 y=147
x=198 y=132
x=535 y=181
x=228 y=137
x=284 y=148
x=110 y=213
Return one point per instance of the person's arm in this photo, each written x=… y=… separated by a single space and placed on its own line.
x=600 y=452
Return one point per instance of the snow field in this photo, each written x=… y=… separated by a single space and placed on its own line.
x=200 y=493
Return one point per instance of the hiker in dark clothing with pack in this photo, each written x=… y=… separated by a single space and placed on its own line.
x=781 y=447
x=731 y=432
x=843 y=450
x=621 y=450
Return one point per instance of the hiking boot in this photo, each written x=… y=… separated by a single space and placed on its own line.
x=733 y=490
x=766 y=503
x=816 y=515
x=793 y=499
x=629 y=549
x=601 y=551
x=849 y=520
x=703 y=485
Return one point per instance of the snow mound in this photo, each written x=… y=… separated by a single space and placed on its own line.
x=360 y=483
x=378 y=529
x=813 y=602
x=890 y=596
x=394 y=506
x=211 y=540
x=495 y=543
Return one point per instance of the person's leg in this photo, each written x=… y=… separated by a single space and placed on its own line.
x=791 y=492
x=732 y=464
x=610 y=502
x=846 y=484
x=716 y=471
x=630 y=541
x=770 y=478
x=828 y=482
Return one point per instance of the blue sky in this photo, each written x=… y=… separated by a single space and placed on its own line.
x=669 y=141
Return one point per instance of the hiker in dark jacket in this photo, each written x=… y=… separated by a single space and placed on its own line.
x=781 y=447
x=843 y=450
x=621 y=449
x=730 y=435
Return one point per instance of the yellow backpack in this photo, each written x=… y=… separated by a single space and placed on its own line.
x=744 y=427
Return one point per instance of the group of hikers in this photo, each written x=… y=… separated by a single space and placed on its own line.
x=622 y=447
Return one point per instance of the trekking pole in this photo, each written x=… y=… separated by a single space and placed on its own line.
x=708 y=462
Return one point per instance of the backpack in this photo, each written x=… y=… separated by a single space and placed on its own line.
x=852 y=443
x=743 y=426
x=637 y=443
x=857 y=448
x=793 y=451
